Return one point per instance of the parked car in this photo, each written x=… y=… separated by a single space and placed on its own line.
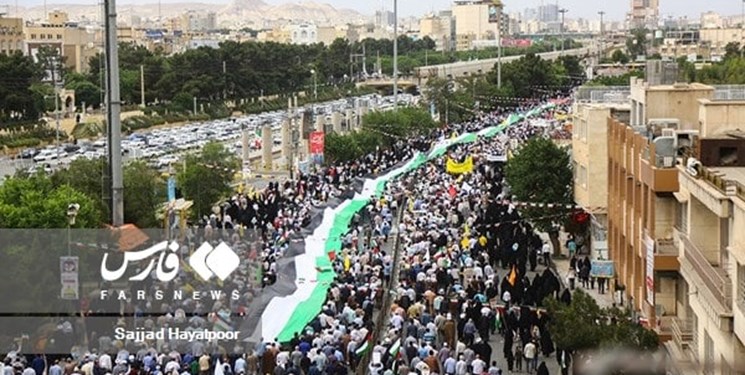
x=29 y=153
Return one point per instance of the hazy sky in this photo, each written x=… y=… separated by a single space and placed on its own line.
x=588 y=9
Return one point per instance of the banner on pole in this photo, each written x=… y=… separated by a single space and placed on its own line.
x=602 y=269
x=493 y=13
x=69 y=278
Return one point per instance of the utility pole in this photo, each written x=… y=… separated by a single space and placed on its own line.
x=562 y=11
x=142 y=86
x=602 y=34
x=57 y=89
x=499 y=43
x=195 y=105
x=113 y=119
x=742 y=30
x=395 y=54
x=225 y=78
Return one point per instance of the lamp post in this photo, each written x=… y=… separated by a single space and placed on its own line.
x=499 y=5
x=602 y=34
x=395 y=54
x=562 y=11
x=72 y=213
x=315 y=84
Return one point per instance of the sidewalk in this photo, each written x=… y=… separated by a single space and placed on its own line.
x=604 y=300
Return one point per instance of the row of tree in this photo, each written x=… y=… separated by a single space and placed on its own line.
x=379 y=130
x=457 y=99
x=39 y=200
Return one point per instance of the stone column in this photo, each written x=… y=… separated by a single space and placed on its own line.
x=320 y=123
x=286 y=139
x=267 y=145
x=350 y=120
x=336 y=122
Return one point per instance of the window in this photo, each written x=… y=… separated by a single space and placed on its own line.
x=49 y=36
x=33 y=36
x=741 y=286
x=681 y=219
x=709 y=365
x=59 y=36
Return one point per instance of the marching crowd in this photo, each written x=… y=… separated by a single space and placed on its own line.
x=461 y=278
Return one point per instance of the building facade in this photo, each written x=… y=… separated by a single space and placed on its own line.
x=644 y=14
x=440 y=28
x=709 y=329
x=11 y=35
x=77 y=44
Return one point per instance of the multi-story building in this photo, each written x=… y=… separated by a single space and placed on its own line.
x=472 y=18
x=717 y=39
x=440 y=28
x=709 y=325
x=642 y=181
x=197 y=21
x=711 y=20
x=11 y=35
x=548 y=13
x=592 y=108
x=384 y=18
x=77 y=44
x=644 y=14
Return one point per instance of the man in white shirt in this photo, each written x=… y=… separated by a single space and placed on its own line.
x=531 y=356
x=546 y=251
x=478 y=366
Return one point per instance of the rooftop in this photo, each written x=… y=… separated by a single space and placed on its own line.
x=695 y=86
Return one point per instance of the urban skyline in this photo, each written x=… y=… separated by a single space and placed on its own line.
x=577 y=8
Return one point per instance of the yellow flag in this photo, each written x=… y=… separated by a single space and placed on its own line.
x=347 y=263
x=459 y=168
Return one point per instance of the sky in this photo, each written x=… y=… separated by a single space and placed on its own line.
x=588 y=9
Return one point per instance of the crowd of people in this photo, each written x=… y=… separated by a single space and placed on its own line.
x=461 y=280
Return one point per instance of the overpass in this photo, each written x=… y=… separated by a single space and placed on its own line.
x=386 y=84
x=464 y=68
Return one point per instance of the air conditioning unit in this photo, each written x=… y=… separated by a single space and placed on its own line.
x=668 y=132
x=668 y=162
x=685 y=141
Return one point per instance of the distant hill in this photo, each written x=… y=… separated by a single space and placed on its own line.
x=236 y=12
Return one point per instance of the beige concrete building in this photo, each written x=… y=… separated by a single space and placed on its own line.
x=679 y=101
x=11 y=35
x=472 y=20
x=76 y=44
x=440 y=28
x=718 y=39
x=590 y=162
x=709 y=329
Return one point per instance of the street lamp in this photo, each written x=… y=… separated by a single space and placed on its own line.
x=315 y=84
x=562 y=11
x=72 y=213
x=395 y=54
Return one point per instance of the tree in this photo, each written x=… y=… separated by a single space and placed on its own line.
x=636 y=44
x=144 y=189
x=541 y=163
x=584 y=326
x=207 y=177
x=34 y=202
x=619 y=57
x=144 y=192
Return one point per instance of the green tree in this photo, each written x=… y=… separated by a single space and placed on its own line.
x=541 y=163
x=619 y=57
x=636 y=44
x=34 y=202
x=144 y=192
x=584 y=326
x=207 y=177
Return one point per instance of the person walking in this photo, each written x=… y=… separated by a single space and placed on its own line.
x=518 y=359
x=546 y=252
x=531 y=355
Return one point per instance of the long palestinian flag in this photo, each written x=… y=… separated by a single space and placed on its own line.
x=284 y=316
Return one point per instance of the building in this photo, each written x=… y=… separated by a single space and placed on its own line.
x=197 y=21
x=718 y=39
x=472 y=19
x=76 y=43
x=711 y=20
x=440 y=28
x=303 y=33
x=592 y=108
x=11 y=35
x=644 y=14
x=642 y=183
x=385 y=18
x=548 y=13
x=709 y=327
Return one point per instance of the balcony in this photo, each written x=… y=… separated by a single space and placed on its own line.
x=712 y=285
x=666 y=256
x=682 y=330
x=660 y=180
